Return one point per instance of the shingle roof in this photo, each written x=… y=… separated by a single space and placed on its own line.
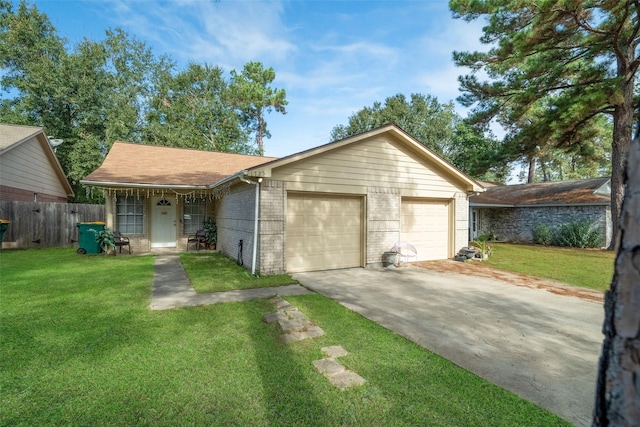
x=13 y=134
x=137 y=164
x=579 y=191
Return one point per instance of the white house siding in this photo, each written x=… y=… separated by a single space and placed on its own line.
x=380 y=169
x=27 y=169
x=517 y=224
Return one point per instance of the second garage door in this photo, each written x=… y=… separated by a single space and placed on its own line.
x=425 y=225
x=323 y=232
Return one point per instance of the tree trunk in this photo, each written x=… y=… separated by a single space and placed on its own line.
x=259 y=132
x=622 y=131
x=532 y=170
x=618 y=387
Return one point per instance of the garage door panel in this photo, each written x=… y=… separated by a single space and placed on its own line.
x=425 y=225
x=323 y=232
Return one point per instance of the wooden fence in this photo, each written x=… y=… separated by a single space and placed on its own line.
x=45 y=225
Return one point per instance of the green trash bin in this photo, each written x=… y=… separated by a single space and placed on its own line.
x=87 y=233
x=4 y=224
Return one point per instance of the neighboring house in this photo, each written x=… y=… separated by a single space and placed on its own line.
x=29 y=169
x=339 y=205
x=511 y=212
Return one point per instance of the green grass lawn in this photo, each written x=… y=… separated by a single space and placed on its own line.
x=586 y=268
x=79 y=346
x=215 y=272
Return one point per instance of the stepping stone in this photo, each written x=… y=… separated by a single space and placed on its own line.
x=328 y=367
x=334 y=351
x=347 y=379
x=295 y=314
x=281 y=304
x=295 y=325
x=312 y=332
x=274 y=317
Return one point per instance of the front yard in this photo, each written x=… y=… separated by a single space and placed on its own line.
x=79 y=346
x=587 y=268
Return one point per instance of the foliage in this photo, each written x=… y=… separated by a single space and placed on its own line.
x=191 y=110
x=97 y=92
x=577 y=234
x=250 y=92
x=553 y=69
x=211 y=231
x=483 y=246
x=587 y=268
x=423 y=117
x=106 y=240
x=477 y=153
x=96 y=355
x=542 y=235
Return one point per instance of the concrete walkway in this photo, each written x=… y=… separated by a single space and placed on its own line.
x=171 y=288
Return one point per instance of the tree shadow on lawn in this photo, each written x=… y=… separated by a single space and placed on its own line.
x=290 y=397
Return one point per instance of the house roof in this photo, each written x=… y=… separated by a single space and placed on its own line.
x=135 y=165
x=11 y=136
x=392 y=130
x=594 y=191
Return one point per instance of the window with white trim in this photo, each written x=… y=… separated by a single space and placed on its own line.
x=193 y=215
x=130 y=215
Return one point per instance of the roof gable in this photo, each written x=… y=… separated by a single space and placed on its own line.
x=392 y=131
x=574 y=192
x=12 y=136
x=133 y=165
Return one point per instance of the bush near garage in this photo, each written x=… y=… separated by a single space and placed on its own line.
x=575 y=234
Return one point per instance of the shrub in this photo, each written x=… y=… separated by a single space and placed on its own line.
x=542 y=235
x=578 y=234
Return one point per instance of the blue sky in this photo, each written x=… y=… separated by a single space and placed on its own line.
x=331 y=57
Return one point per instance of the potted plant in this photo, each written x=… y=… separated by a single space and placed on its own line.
x=106 y=241
x=211 y=232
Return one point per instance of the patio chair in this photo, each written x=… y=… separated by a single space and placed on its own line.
x=405 y=251
x=198 y=239
x=121 y=241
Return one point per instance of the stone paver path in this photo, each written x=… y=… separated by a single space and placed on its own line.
x=294 y=324
x=171 y=288
x=337 y=374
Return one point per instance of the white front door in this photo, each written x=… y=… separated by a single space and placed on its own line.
x=163 y=222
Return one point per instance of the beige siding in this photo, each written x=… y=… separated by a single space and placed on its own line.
x=356 y=167
x=27 y=167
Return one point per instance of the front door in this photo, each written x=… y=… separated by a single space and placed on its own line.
x=163 y=222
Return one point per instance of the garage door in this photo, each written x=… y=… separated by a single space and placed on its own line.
x=323 y=232
x=425 y=225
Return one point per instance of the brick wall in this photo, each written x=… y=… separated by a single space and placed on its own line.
x=20 y=195
x=273 y=200
x=461 y=220
x=517 y=224
x=235 y=221
x=383 y=222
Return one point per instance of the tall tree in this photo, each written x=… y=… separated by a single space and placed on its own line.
x=191 y=110
x=477 y=153
x=252 y=94
x=566 y=61
x=88 y=97
x=618 y=388
x=422 y=116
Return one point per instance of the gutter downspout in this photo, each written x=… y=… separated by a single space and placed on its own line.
x=255 y=222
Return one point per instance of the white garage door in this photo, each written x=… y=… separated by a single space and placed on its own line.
x=425 y=225
x=323 y=232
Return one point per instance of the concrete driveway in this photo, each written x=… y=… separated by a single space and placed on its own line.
x=542 y=346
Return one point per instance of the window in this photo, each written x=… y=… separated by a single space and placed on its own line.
x=129 y=214
x=193 y=215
